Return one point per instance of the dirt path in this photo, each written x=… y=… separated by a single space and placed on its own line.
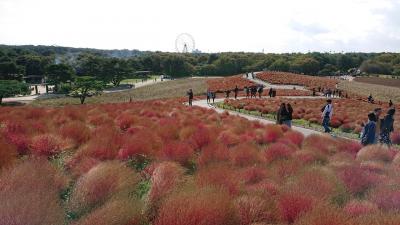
x=204 y=104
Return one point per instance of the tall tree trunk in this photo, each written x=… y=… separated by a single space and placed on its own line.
x=82 y=98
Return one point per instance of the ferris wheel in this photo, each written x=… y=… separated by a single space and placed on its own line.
x=184 y=43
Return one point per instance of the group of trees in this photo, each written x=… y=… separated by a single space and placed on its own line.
x=60 y=65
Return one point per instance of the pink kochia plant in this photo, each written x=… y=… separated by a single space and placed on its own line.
x=291 y=205
x=46 y=145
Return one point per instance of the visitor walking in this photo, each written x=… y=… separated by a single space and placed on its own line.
x=213 y=94
x=288 y=121
x=247 y=90
x=390 y=103
x=236 y=90
x=368 y=134
x=370 y=99
x=378 y=121
x=208 y=96
x=253 y=92
x=282 y=114
x=190 y=94
x=270 y=92
x=327 y=112
x=260 y=91
x=387 y=127
x=227 y=93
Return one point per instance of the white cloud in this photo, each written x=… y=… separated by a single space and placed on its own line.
x=217 y=25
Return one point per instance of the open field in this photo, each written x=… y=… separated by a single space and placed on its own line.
x=166 y=89
x=379 y=92
x=380 y=81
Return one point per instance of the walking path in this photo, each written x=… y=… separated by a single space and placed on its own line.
x=275 y=86
x=204 y=104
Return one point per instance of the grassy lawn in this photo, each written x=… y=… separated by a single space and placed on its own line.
x=136 y=80
x=170 y=89
x=379 y=92
x=296 y=122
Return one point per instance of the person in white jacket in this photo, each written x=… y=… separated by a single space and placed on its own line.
x=327 y=112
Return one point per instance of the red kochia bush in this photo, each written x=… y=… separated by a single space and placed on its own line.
x=253 y=175
x=165 y=177
x=221 y=176
x=177 y=151
x=253 y=209
x=355 y=179
x=215 y=152
x=8 y=154
x=45 y=144
x=29 y=194
x=124 y=211
x=386 y=199
x=324 y=215
x=291 y=205
x=360 y=208
x=278 y=151
x=76 y=131
x=245 y=154
x=272 y=133
x=205 y=206
x=395 y=137
x=294 y=136
x=106 y=180
x=374 y=152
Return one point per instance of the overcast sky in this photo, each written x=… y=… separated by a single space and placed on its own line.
x=216 y=25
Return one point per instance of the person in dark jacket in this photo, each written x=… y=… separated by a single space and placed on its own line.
x=288 y=121
x=213 y=95
x=270 y=92
x=190 y=94
x=368 y=134
x=247 y=90
x=260 y=91
x=227 y=93
x=282 y=114
x=390 y=103
x=387 y=127
x=236 y=90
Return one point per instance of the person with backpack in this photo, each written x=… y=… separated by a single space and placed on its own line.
x=387 y=127
x=368 y=133
x=190 y=94
x=236 y=90
x=327 y=112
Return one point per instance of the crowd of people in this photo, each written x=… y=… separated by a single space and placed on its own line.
x=376 y=130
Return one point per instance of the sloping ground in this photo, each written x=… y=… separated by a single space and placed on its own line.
x=379 y=92
x=168 y=89
x=380 y=81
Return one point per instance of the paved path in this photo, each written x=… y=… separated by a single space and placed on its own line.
x=275 y=86
x=204 y=104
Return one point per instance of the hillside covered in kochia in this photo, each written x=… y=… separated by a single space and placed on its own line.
x=18 y=61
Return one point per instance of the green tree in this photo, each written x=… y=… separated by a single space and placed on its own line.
x=59 y=73
x=115 y=70
x=279 y=65
x=10 y=88
x=86 y=86
x=306 y=65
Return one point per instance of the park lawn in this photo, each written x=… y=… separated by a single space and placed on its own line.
x=171 y=89
x=379 y=92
